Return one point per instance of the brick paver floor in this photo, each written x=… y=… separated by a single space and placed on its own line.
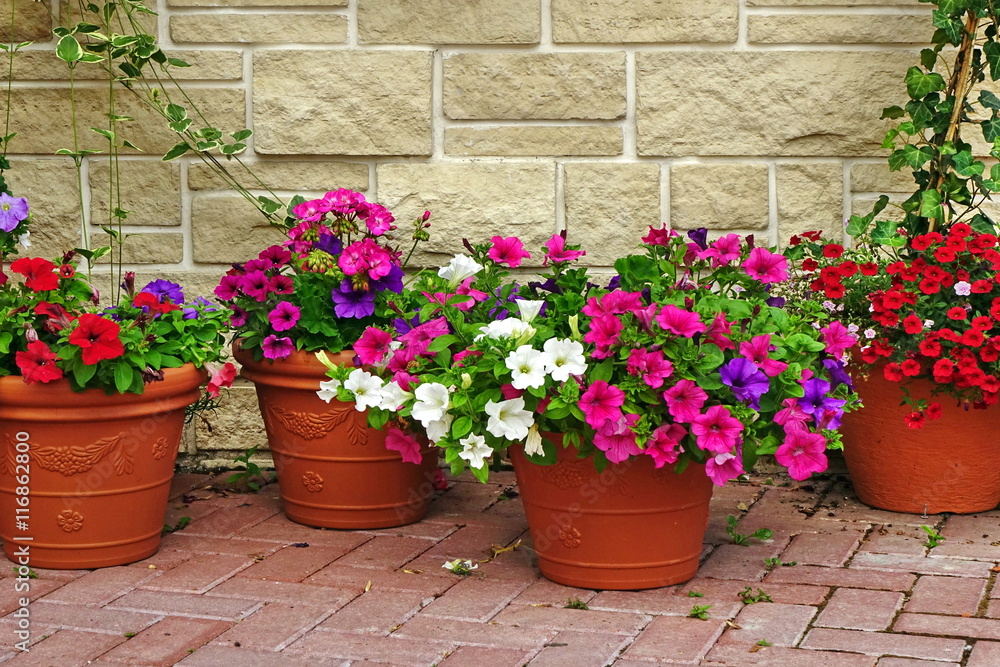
x=241 y=585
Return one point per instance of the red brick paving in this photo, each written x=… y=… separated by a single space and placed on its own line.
x=232 y=588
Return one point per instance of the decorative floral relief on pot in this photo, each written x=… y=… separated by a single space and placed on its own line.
x=70 y=521
x=312 y=482
x=570 y=536
x=565 y=476
x=77 y=459
x=160 y=449
x=312 y=426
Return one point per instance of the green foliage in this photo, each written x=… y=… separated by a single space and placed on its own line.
x=695 y=594
x=576 y=603
x=749 y=597
x=934 y=538
x=700 y=611
x=180 y=525
x=252 y=475
x=744 y=540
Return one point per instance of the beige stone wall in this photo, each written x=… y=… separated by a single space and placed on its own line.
x=518 y=116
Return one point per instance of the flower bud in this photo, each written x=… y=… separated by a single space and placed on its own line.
x=574 y=326
x=466 y=380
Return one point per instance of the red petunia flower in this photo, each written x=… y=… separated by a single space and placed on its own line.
x=98 y=338
x=151 y=301
x=869 y=269
x=38 y=273
x=957 y=313
x=915 y=420
x=37 y=364
x=67 y=271
x=960 y=229
x=892 y=372
x=944 y=255
x=910 y=368
x=833 y=250
x=809 y=264
x=933 y=411
x=912 y=324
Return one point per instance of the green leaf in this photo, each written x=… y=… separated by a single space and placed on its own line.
x=892 y=112
x=107 y=134
x=68 y=49
x=989 y=100
x=175 y=112
x=991 y=129
x=5 y=340
x=930 y=204
x=992 y=51
x=180 y=126
x=886 y=233
x=177 y=62
x=241 y=135
x=83 y=372
x=928 y=58
x=123 y=377
x=952 y=28
x=917 y=157
x=177 y=151
x=920 y=83
x=966 y=165
x=462 y=427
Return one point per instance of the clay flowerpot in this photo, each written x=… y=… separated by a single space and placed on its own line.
x=95 y=469
x=334 y=471
x=631 y=527
x=949 y=465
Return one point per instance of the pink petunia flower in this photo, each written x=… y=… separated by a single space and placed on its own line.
x=617 y=439
x=604 y=331
x=658 y=236
x=716 y=430
x=665 y=444
x=421 y=336
x=282 y=284
x=373 y=345
x=837 y=339
x=652 y=367
x=277 y=348
x=556 y=251
x=284 y=316
x=275 y=254
x=766 y=266
x=256 y=285
x=508 y=250
x=229 y=287
x=792 y=417
x=723 y=251
x=718 y=332
x=803 y=453
x=613 y=303
x=220 y=376
x=601 y=401
x=406 y=445
x=723 y=467
x=679 y=321
x=757 y=349
x=684 y=400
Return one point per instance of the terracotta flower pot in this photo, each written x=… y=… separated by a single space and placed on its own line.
x=949 y=465
x=334 y=471
x=628 y=528
x=97 y=469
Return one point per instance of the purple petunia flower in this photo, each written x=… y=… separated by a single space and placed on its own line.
x=12 y=211
x=776 y=301
x=746 y=380
x=330 y=244
x=825 y=409
x=191 y=312
x=165 y=290
x=837 y=373
x=349 y=303
x=392 y=282
x=405 y=326
x=699 y=236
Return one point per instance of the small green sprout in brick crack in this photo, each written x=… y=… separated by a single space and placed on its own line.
x=700 y=611
x=695 y=594
x=576 y=603
x=748 y=597
x=744 y=540
x=934 y=538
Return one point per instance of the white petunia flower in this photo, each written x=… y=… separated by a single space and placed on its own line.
x=475 y=451
x=963 y=288
x=928 y=324
x=459 y=268
x=384 y=361
x=563 y=357
x=870 y=334
x=529 y=309
x=511 y=327
x=367 y=389
x=393 y=397
x=23 y=239
x=527 y=367
x=439 y=429
x=328 y=390
x=508 y=419
x=533 y=445
x=432 y=402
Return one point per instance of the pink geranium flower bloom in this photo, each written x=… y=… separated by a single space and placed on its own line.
x=601 y=401
x=679 y=321
x=277 y=348
x=766 y=266
x=684 y=400
x=555 y=250
x=665 y=444
x=508 y=250
x=652 y=367
x=757 y=350
x=837 y=339
x=718 y=332
x=604 y=331
x=406 y=445
x=353 y=260
x=284 y=316
x=723 y=467
x=803 y=453
x=344 y=202
x=310 y=211
x=378 y=219
x=373 y=345
x=616 y=439
x=717 y=430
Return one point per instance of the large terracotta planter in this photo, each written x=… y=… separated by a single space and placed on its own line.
x=97 y=470
x=334 y=471
x=628 y=528
x=949 y=465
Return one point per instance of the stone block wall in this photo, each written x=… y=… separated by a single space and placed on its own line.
x=514 y=117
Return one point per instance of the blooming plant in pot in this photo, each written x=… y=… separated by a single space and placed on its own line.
x=619 y=407
x=920 y=280
x=336 y=272
x=92 y=403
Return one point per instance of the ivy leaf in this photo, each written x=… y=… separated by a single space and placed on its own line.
x=966 y=165
x=885 y=233
x=928 y=58
x=989 y=100
x=892 y=112
x=920 y=83
x=992 y=51
x=952 y=6
x=952 y=28
x=930 y=204
x=991 y=129
x=917 y=157
x=983 y=224
x=922 y=112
